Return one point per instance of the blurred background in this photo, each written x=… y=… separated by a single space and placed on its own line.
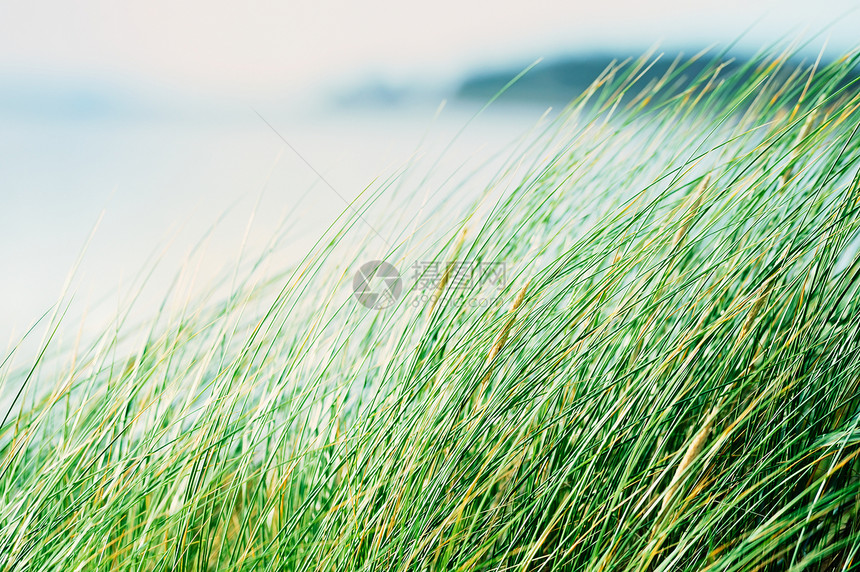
x=138 y=128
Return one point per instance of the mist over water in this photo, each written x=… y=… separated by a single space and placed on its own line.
x=191 y=194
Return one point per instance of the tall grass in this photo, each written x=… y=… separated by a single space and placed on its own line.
x=668 y=379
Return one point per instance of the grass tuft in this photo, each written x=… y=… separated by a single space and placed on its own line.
x=667 y=379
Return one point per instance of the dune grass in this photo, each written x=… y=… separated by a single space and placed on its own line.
x=669 y=378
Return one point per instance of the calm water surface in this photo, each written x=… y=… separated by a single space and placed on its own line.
x=153 y=187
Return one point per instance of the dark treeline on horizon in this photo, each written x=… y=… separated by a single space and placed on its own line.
x=562 y=79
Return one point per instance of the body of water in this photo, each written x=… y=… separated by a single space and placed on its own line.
x=148 y=189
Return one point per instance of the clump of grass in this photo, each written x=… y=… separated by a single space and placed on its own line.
x=668 y=381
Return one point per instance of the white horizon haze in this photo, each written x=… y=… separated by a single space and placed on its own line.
x=272 y=47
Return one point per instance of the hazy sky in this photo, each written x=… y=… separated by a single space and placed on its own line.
x=276 y=44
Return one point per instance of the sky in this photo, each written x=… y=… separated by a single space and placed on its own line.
x=269 y=46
